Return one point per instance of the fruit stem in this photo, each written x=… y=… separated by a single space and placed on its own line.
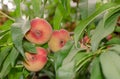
x=7 y=16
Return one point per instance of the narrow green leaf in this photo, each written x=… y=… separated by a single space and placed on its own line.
x=5 y=38
x=9 y=62
x=103 y=29
x=2 y=32
x=117 y=29
x=96 y=72
x=115 y=48
x=84 y=23
x=18 y=9
x=29 y=47
x=5 y=70
x=71 y=54
x=13 y=56
x=110 y=65
x=87 y=7
x=66 y=71
x=15 y=73
x=114 y=40
x=66 y=6
x=18 y=30
x=57 y=19
x=36 y=8
x=6 y=67
x=3 y=53
x=6 y=25
x=81 y=59
x=60 y=55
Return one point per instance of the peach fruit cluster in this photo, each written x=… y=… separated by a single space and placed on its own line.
x=40 y=33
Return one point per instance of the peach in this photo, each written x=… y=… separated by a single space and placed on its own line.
x=58 y=39
x=40 y=31
x=35 y=62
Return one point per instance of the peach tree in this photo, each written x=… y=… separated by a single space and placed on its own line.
x=60 y=39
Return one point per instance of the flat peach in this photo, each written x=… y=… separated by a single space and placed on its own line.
x=35 y=62
x=40 y=31
x=58 y=39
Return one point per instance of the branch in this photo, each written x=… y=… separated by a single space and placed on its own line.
x=7 y=16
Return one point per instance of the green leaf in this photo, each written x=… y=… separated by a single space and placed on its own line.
x=66 y=6
x=3 y=53
x=81 y=59
x=36 y=8
x=60 y=55
x=87 y=7
x=29 y=47
x=62 y=11
x=9 y=62
x=115 y=48
x=6 y=25
x=84 y=23
x=103 y=29
x=18 y=9
x=2 y=32
x=15 y=73
x=4 y=39
x=6 y=67
x=71 y=54
x=18 y=30
x=117 y=1
x=66 y=71
x=13 y=56
x=114 y=40
x=117 y=29
x=57 y=19
x=5 y=70
x=96 y=72
x=110 y=65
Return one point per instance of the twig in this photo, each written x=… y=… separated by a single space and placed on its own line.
x=7 y=16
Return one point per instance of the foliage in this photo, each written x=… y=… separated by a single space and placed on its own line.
x=97 y=58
